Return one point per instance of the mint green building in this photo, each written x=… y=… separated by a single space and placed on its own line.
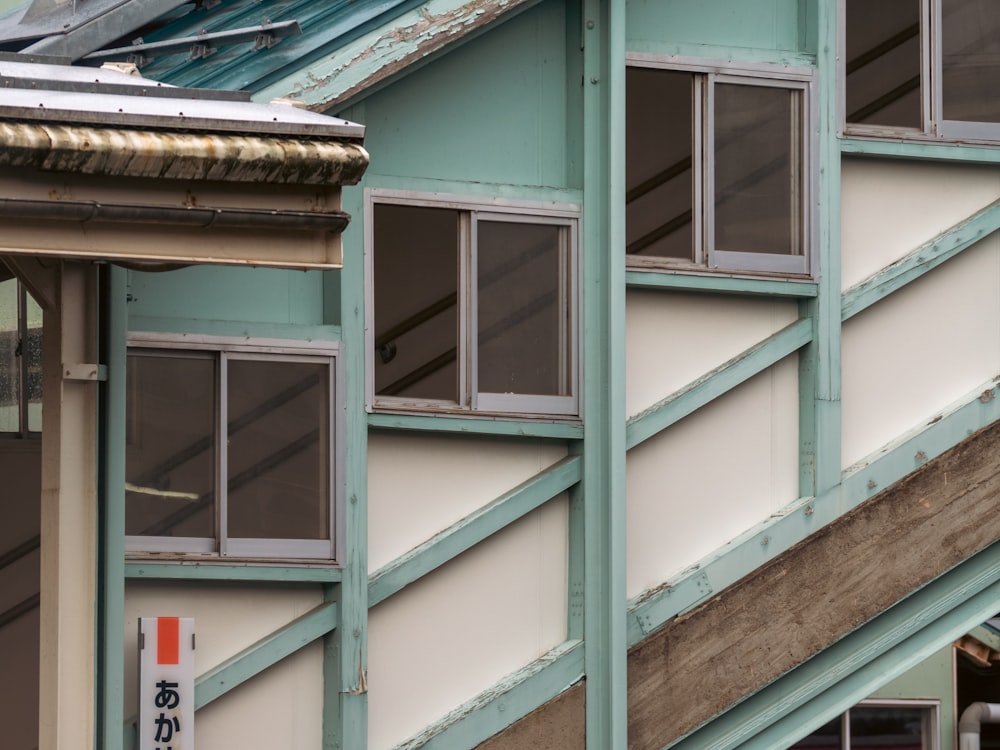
x=523 y=373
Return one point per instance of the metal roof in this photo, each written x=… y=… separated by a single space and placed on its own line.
x=75 y=95
x=75 y=29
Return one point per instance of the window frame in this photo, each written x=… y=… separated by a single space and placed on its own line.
x=221 y=547
x=930 y=706
x=933 y=126
x=23 y=303
x=473 y=210
x=708 y=259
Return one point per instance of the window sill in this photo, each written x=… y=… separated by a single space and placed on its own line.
x=725 y=283
x=476 y=424
x=215 y=569
x=912 y=146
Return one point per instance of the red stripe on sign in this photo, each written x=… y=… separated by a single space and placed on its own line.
x=168 y=640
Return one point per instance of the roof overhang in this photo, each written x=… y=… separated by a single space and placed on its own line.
x=57 y=121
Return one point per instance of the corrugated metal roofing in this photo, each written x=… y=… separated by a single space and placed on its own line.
x=325 y=26
x=247 y=65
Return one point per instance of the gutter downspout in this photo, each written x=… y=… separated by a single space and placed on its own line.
x=970 y=721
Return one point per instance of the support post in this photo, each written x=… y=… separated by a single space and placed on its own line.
x=603 y=486
x=111 y=537
x=68 y=515
x=820 y=361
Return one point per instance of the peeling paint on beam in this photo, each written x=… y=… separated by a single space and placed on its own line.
x=473 y=529
x=506 y=702
x=925 y=258
x=713 y=384
x=381 y=55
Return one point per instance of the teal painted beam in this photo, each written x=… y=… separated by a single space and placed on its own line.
x=477 y=426
x=111 y=625
x=293 y=331
x=925 y=151
x=859 y=663
x=713 y=384
x=741 y=556
x=637 y=279
x=254 y=659
x=820 y=361
x=473 y=529
x=925 y=258
x=264 y=653
x=509 y=700
x=345 y=650
x=173 y=571
x=745 y=55
x=603 y=294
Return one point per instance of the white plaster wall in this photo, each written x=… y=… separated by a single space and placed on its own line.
x=279 y=708
x=919 y=350
x=712 y=476
x=889 y=208
x=453 y=634
x=419 y=485
x=229 y=618
x=672 y=339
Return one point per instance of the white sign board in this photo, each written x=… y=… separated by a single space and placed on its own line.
x=166 y=683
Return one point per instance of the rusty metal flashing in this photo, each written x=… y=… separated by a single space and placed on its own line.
x=120 y=152
x=203 y=217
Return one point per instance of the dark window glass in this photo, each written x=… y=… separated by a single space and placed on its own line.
x=278 y=449
x=757 y=170
x=416 y=301
x=827 y=737
x=523 y=311
x=659 y=182
x=970 y=65
x=883 y=63
x=896 y=727
x=170 y=456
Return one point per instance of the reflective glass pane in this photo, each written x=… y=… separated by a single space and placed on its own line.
x=757 y=170
x=170 y=451
x=32 y=352
x=970 y=66
x=883 y=62
x=827 y=737
x=416 y=302
x=279 y=449
x=10 y=379
x=523 y=309
x=896 y=727
x=659 y=182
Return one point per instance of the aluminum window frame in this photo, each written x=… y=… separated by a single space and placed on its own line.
x=472 y=211
x=706 y=257
x=933 y=126
x=222 y=547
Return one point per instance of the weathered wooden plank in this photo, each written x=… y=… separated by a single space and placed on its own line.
x=817 y=592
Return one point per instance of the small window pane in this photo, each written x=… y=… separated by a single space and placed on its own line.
x=883 y=62
x=757 y=170
x=659 y=182
x=523 y=310
x=32 y=352
x=170 y=455
x=898 y=727
x=970 y=42
x=10 y=379
x=279 y=448
x=827 y=737
x=416 y=301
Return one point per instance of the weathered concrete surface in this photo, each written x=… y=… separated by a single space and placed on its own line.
x=558 y=725
x=790 y=609
x=705 y=661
